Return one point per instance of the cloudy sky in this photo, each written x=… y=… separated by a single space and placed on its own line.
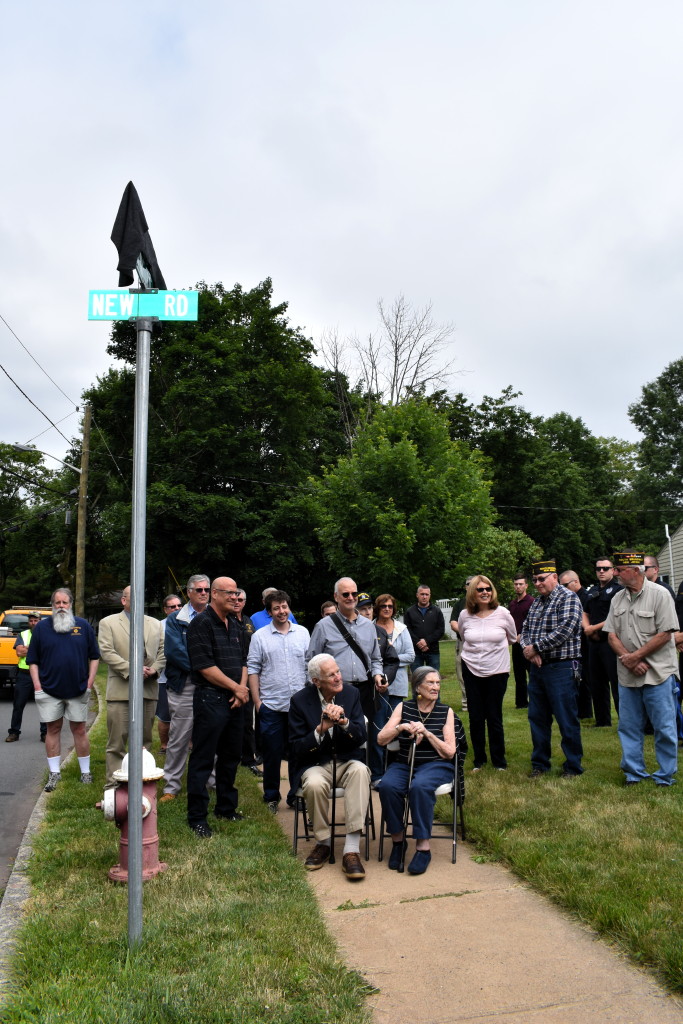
x=518 y=164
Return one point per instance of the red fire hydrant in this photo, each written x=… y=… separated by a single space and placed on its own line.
x=115 y=807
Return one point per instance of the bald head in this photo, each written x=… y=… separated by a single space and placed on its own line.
x=224 y=590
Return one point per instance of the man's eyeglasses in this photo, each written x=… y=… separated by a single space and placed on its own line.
x=483 y=590
x=602 y=568
x=230 y=593
x=202 y=590
x=540 y=579
x=173 y=607
x=349 y=593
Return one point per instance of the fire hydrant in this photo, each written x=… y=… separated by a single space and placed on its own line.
x=115 y=807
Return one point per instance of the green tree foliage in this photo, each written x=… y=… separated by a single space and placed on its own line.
x=239 y=417
x=407 y=505
x=35 y=542
x=550 y=477
x=658 y=485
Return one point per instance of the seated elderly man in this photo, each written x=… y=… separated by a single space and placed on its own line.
x=325 y=717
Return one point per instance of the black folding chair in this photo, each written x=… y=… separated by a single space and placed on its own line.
x=336 y=793
x=455 y=790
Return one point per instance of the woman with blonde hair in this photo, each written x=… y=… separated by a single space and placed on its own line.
x=486 y=629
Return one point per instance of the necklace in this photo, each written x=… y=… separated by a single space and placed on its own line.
x=425 y=718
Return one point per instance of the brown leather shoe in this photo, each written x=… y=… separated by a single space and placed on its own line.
x=166 y=798
x=11 y=737
x=318 y=856
x=352 y=867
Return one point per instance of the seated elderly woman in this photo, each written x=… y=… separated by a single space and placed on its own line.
x=430 y=724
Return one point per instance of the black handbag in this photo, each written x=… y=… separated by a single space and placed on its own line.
x=390 y=659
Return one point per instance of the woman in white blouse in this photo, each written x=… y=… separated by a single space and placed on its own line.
x=486 y=630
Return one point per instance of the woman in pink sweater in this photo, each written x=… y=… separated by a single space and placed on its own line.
x=486 y=630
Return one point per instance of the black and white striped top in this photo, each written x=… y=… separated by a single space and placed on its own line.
x=434 y=722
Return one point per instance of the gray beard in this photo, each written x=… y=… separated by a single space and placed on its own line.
x=63 y=621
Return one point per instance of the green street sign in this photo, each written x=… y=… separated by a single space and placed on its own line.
x=122 y=304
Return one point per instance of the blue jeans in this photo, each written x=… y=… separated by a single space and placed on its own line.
x=274 y=747
x=636 y=705
x=433 y=660
x=387 y=703
x=553 y=692
x=393 y=787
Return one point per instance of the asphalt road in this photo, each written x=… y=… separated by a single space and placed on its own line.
x=23 y=771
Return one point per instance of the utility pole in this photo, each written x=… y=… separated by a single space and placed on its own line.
x=82 y=514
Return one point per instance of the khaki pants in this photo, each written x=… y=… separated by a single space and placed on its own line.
x=316 y=782
x=117 y=739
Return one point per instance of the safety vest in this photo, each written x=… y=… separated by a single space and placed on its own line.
x=26 y=640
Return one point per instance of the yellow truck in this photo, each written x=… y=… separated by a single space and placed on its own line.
x=12 y=623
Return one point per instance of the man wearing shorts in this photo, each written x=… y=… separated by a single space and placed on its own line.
x=63 y=657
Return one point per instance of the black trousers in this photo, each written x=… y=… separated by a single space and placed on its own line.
x=602 y=674
x=520 y=667
x=216 y=735
x=485 y=708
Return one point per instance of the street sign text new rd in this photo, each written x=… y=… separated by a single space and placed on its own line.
x=122 y=304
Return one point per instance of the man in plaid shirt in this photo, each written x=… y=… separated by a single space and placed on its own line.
x=551 y=641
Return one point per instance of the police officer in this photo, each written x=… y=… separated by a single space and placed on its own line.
x=602 y=661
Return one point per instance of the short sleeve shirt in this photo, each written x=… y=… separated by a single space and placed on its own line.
x=635 y=619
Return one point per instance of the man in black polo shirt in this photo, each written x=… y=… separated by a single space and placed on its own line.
x=217 y=650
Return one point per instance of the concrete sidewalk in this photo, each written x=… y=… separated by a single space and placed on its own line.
x=470 y=942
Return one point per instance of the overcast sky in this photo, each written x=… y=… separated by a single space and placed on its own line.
x=518 y=164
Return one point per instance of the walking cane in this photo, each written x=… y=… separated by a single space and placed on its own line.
x=334 y=801
x=406 y=807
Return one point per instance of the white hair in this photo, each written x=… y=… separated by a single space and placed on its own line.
x=315 y=665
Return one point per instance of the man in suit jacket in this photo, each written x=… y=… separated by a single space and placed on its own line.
x=326 y=716
x=114 y=643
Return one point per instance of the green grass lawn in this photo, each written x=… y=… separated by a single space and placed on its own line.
x=611 y=854
x=232 y=931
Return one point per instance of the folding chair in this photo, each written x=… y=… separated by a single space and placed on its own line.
x=336 y=793
x=455 y=790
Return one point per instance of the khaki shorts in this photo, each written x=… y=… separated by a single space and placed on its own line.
x=51 y=709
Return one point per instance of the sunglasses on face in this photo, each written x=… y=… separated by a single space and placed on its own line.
x=349 y=593
x=483 y=590
x=539 y=579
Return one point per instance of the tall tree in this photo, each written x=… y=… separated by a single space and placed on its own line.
x=239 y=417
x=658 y=415
x=409 y=504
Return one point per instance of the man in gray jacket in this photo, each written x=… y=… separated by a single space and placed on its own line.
x=179 y=685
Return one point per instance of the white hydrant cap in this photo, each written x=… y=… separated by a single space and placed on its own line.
x=150 y=772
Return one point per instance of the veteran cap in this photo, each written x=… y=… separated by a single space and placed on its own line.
x=624 y=558
x=545 y=565
x=364 y=599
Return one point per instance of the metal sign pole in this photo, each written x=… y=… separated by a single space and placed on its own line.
x=137 y=625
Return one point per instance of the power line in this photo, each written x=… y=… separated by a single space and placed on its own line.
x=26 y=520
x=42 y=368
x=34 y=404
x=109 y=451
x=34 y=483
x=575 y=508
x=47 y=429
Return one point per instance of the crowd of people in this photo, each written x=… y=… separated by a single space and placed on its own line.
x=230 y=689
